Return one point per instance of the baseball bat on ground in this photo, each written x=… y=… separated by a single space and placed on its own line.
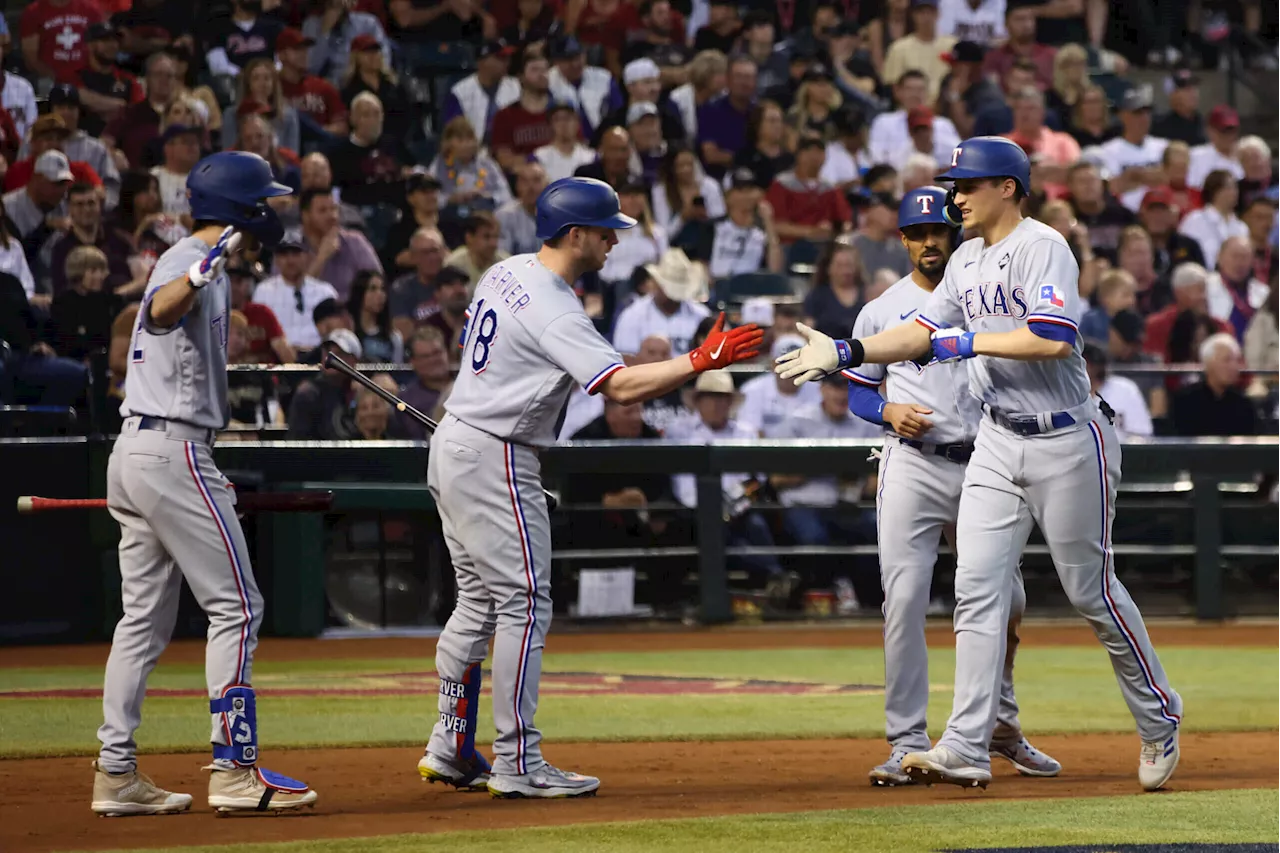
x=246 y=502
x=332 y=361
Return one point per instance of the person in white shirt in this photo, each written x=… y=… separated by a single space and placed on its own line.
x=181 y=153
x=480 y=95
x=708 y=74
x=1133 y=159
x=890 y=135
x=745 y=240
x=644 y=244
x=673 y=310
x=767 y=401
x=292 y=296
x=980 y=21
x=589 y=89
x=681 y=183
x=1216 y=222
x=1232 y=293
x=847 y=156
x=566 y=151
x=1133 y=418
x=1220 y=152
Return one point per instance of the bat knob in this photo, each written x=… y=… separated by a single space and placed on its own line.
x=25 y=504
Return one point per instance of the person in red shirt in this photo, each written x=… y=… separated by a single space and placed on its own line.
x=53 y=36
x=267 y=342
x=524 y=127
x=805 y=207
x=131 y=131
x=1176 y=161
x=49 y=133
x=315 y=98
x=1189 y=294
x=1020 y=23
x=105 y=90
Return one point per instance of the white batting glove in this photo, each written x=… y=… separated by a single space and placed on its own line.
x=205 y=271
x=812 y=361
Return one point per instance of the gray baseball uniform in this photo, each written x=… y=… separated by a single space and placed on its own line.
x=175 y=509
x=1044 y=454
x=918 y=496
x=527 y=341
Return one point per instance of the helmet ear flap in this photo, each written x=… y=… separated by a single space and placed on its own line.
x=950 y=211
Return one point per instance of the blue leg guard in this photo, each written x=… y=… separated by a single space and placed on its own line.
x=239 y=712
x=462 y=722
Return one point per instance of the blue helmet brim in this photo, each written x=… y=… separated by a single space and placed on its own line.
x=618 y=220
x=275 y=190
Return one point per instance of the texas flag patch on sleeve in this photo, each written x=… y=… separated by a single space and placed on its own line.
x=1049 y=293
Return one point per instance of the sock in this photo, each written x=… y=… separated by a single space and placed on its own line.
x=224 y=764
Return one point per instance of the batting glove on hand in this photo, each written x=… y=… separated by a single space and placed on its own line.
x=951 y=345
x=203 y=272
x=817 y=358
x=722 y=348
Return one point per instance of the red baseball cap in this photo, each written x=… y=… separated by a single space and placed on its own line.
x=919 y=117
x=364 y=41
x=1223 y=117
x=1160 y=195
x=292 y=37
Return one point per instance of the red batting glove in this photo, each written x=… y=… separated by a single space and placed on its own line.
x=722 y=348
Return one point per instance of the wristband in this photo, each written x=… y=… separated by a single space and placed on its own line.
x=849 y=353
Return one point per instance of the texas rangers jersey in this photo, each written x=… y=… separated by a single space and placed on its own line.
x=527 y=341
x=1029 y=277
x=944 y=388
x=180 y=373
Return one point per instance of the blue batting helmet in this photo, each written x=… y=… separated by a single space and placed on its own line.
x=923 y=206
x=989 y=157
x=232 y=187
x=578 y=201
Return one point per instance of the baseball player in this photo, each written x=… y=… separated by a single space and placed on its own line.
x=527 y=342
x=931 y=420
x=1046 y=452
x=177 y=511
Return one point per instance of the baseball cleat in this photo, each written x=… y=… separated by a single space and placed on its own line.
x=942 y=765
x=133 y=793
x=546 y=782
x=252 y=789
x=890 y=774
x=1028 y=760
x=1157 y=761
x=465 y=776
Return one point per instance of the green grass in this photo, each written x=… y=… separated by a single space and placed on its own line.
x=1066 y=689
x=1222 y=817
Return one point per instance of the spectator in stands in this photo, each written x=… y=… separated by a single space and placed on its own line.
x=707 y=73
x=643 y=81
x=1090 y=121
x=128 y=134
x=978 y=21
x=523 y=127
x=918 y=171
x=421 y=210
x=890 y=133
x=48 y=133
x=371 y=317
x=966 y=91
x=430 y=385
x=1069 y=83
x=18 y=98
x=1255 y=160
x=266 y=340
x=851 y=67
x=1233 y=293
x=369 y=71
x=292 y=295
x=1056 y=150
x=566 y=152
x=413 y=295
x=315 y=174
x=1021 y=44
x=723 y=29
x=188 y=112
x=141 y=217
x=1096 y=209
x=806 y=207
x=1116 y=292
x=340 y=32
x=643 y=244
x=13 y=261
x=615 y=166
x=149 y=26
x=189 y=85
x=320 y=109
x=1215 y=405
x=1133 y=158
x=251 y=397
x=645 y=128
x=758 y=43
x=837 y=295
x=1214 y=223
x=181 y=153
x=1175 y=161
x=673 y=310
x=84 y=207
x=516 y=221
x=766 y=153
x=816 y=100
x=1121 y=393
x=924 y=140
x=79 y=146
x=53 y=34
x=479 y=249
x=660 y=36
x=246 y=35
x=535 y=21
x=590 y=90
x=921 y=49
x=745 y=241
x=877 y=241
x=336 y=253
x=684 y=193
x=1159 y=216
x=104 y=89
x=1125 y=348
x=259 y=85
x=811 y=41
x=1189 y=298
x=1259 y=216
x=33 y=212
x=768 y=400
x=1183 y=121
x=470 y=180
x=478 y=97
x=449 y=315
x=320 y=408
x=256 y=137
x=32 y=374
x=1136 y=256
x=1262 y=338
x=371 y=164
x=721 y=127
x=80 y=318
x=1219 y=153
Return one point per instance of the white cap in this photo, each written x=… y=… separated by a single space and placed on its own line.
x=785 y=344
x=640 y=69
x=345 y=340
x=639 y=110
x=679 y=278
x=758 y=310
x=54 y=166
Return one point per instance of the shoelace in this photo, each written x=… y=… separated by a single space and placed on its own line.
x=1151 y=751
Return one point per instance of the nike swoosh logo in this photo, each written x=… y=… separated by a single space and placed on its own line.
x=716 y=352
x=908 y=314
x=969 y=264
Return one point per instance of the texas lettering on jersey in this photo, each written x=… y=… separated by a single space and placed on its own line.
x=994 y=299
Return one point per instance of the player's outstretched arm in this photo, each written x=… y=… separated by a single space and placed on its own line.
x=1021 y=344
x=641 y=382
x=823 y=355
